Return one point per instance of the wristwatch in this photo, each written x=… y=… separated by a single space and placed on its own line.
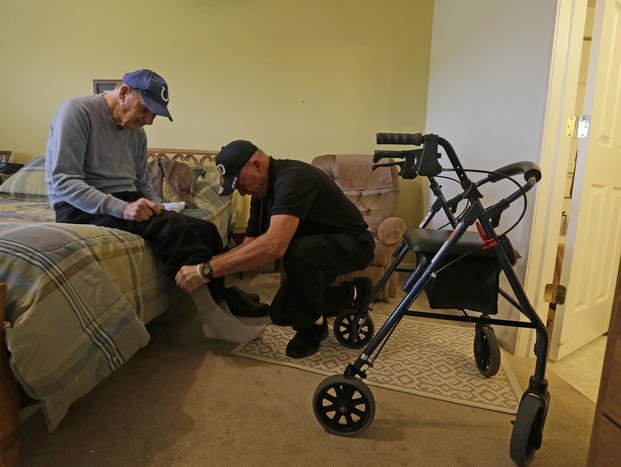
x=207 y=271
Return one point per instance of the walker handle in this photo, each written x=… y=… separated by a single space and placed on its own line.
x=528 y=168
x=400 y=138
x=378 y=155
x=532 y=174
x=387 y=164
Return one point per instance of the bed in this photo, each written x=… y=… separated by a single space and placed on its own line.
x=78 y=296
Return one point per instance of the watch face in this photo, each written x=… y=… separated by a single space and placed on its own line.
x=206 y=270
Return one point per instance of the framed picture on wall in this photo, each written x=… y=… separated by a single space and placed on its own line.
x=101 y=85
x=4 y=159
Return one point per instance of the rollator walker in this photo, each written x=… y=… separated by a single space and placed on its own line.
x=458 y=269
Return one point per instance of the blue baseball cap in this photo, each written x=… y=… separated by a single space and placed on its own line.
x=153 y=89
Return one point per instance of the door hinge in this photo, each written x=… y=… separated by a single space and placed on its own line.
x=578 y=126
x=554 y=294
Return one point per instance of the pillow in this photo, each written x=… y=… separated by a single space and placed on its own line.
x=174 y=181
x=213 y=207
x=212 y=174
x=196 y=171
x=171 y=195
x=207 y=195
x=28 y=182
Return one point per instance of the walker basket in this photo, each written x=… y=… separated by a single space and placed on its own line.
x=470 y=282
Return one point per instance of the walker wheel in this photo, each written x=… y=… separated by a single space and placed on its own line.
x=486 y=350
x=343 y=406
x=352 y=329
x=527 y=429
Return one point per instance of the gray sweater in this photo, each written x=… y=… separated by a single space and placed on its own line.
x=88 y=157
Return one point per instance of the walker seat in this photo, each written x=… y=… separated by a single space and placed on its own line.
x=469 y=282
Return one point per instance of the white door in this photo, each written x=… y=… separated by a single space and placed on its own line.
x=593 y=243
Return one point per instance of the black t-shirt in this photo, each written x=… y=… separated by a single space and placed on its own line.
x=304 y=191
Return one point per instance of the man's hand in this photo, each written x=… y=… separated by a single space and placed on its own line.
x=190 y=277
x=141 y=210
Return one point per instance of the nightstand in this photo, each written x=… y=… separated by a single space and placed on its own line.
x=9 y=170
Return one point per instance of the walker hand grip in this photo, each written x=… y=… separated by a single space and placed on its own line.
x=400 y=138
x=386 y=164
x=377 y=155
x=528 y=168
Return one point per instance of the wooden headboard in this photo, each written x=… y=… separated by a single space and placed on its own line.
x=204 y=158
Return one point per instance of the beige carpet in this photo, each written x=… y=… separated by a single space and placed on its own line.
x=425 y=358
x=186 y=401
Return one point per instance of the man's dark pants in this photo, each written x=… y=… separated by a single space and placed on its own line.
x=175 y=238
x=311 y=264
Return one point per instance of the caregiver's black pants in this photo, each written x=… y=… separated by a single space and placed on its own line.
x=311 y=265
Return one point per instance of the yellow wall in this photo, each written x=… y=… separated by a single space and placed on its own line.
x=298 y=78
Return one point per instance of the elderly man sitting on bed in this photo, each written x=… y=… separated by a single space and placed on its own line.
x=96 y=172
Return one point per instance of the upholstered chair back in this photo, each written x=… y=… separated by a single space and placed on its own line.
x=374 y=192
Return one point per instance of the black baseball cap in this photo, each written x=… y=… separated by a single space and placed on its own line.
x=153 y=89
x=230 y=161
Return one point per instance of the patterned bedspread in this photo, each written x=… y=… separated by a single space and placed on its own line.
x=78 y=296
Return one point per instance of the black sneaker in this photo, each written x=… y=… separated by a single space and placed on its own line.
x=247 y=295
x=306 y=342
x=256 y=310
x=280 y=320
x=364 y=290
x=243 y=304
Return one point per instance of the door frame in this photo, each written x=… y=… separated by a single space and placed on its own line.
x=554 y=161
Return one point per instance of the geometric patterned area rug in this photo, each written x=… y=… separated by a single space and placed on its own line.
x=421 y=357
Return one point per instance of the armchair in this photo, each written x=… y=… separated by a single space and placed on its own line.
x=375 y=193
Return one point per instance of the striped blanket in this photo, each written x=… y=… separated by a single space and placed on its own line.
x=78 y=296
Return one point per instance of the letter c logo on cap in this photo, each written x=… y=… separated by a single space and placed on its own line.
x=164 y=94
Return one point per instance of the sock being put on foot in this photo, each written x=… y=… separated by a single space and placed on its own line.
x=218 y=322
